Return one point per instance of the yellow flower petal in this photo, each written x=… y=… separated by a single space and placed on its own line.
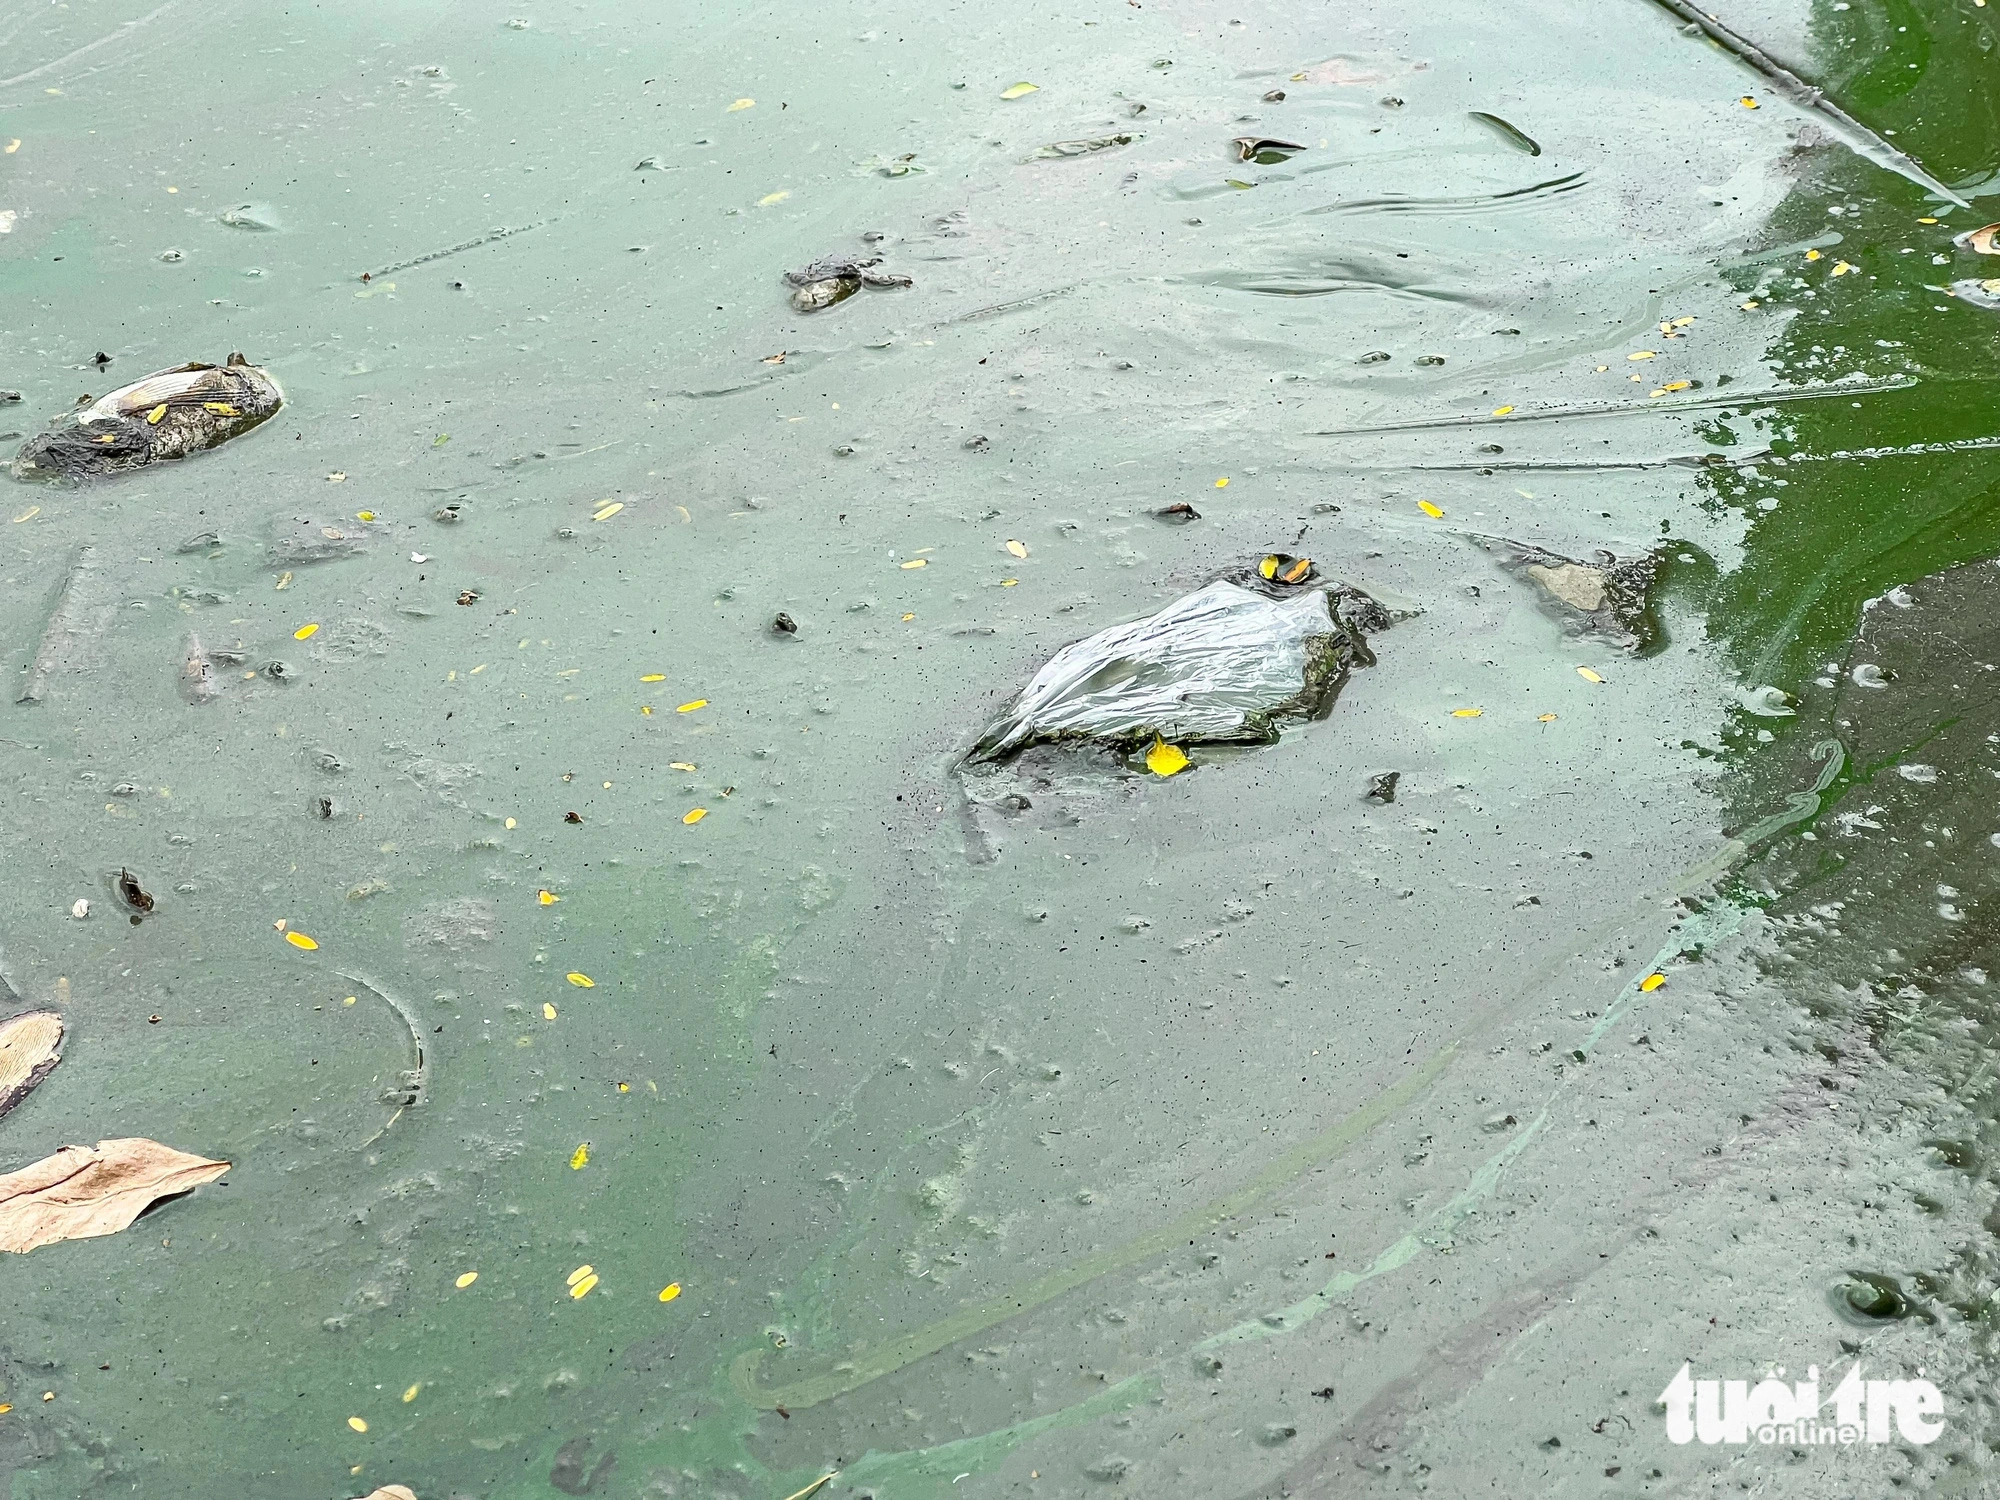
x=548 y=1011
x=770 y=198
x=1644 y=354
x=547 y=898
x=153 y=416
x=683 y=765
x=670 y=1291
x=688 y=708
x=364 y=515
x=739 y=104
x=1652 y=981
x=510 y=823
x=1546 y=719
x=411 y=1393
x=582 y=1288
x=1467 y=713
x=1222 y=483
x=466 y=1280
x=1677 y=385
x=578 y=1274
x=607 y=512
x=305 y=632
x=1019 y=549
x=580 y=1158
x=1008 y=583
x=300 y=940
x=357 y=1424
x=1166 y=760
x=915 y=562
x=581 y=981
x=654 y=677
x=1747 y=102
x=1812 y=255
x=1017 y=90
x=694 y=815
x=1434 y=512
x=1587 y=675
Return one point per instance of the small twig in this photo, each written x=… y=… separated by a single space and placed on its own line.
x=813 y=1488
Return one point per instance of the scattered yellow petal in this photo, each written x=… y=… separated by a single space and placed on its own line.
x=683 y=765
x=1927 y=221
x=1501 y=411
x=581 y=981
x=1652 y=981
x=1008 y=583
x=364 y=515
x=605 y=513
x=1434 y=512
x=1683 y=322
x=654 y=677
x=578 y=1274
x=1467 y=713
x=338 y=476
x=580 y=1158
x=770 y=198
x=357 y=1424
x=624 y=1088
x=1752 y=305
x=1644 y=354
x=1546 y=719
x=349 y=1000
x=300 y=940
x=1677 y=385
x=7 y=1406
x=1747 y=102
x=1587 y=675
x=1166 y=760
x=670 y=1291
x=510 y=823
x=691 y=706
x=466 y=1280
x=909 y=617
x=14 y=145
x=1841 y=268
x=411 y=1393
x=1019 y=549
x=284 y=581
x=153 y=416
x=1812 y=255
x=694 y=815
x=1222 y=483
x=1017 y=90
x=739 y=104
x=1660 y=392
x=547 y=898
x=548 y=1011
x=646 y=709
x=28 y=515
x=582 y=1288
x=220 y=408
x=305 y=632
x=915 y=562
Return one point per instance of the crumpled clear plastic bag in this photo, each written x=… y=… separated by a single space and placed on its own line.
x=1221 y=663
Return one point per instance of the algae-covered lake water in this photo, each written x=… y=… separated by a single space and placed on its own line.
x=689 y=1086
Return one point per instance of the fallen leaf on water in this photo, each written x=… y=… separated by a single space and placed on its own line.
x=770 y=198
x=1019 y=549
x=1166 y=760
x=691 y=706
x=1587 y=675
x=739 y=104
x=548 y=1011
x=392 y=1492
x=357 y=1424
x=411 y=1393
x=1467 y=713
x=582 y=1288
x=694 y=815
x=1017 y=90
x=30 y=1047
x=1434 y=512
x=915 y=562
x=581 y=981
x=547 y=898
x=1652 y=981
x=580 y=1158
x=83 y=1191
x=466 y=1280
x=305 y=632
x=670 y=1291
x=300 y=940
x=683 y=765
x=1501 y=411
x=607 y=512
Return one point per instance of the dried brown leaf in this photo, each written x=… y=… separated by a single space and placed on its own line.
x=83 y=1191
x=30 y=1047
x=391 y=1492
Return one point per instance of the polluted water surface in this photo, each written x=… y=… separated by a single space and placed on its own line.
x=631 y=873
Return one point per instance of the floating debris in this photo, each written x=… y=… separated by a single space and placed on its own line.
x=30 y=1048
x=82 y=1191
x=1179 y=513
x=1264 y=151
x=1382 y=786
x=1519 y=139
x=73 y=623
x=1980 y=292
x=1609 y=597
x=1083 y=147
x=1984 y=240
x=167 y=415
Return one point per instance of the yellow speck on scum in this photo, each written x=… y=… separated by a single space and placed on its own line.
x=1467 y=713
x=411 y=1393
x=582 y=1288
x=1652 y=981
x=357 y=1424
x=578 y=1274
x=548 y=1011
x=305 y=632
x=670 y=1291
x=1501 y=411
x=654 y=677
x=1587 y=675
x=690 y=707
x=466 y=1280
x=694 y=815
x=1436 y=513
x=300 y=940
x=580 y=1158
x=581 y=981
x=547 y=898
x=915 y=562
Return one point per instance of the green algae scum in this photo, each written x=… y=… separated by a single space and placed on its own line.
x=775 y=751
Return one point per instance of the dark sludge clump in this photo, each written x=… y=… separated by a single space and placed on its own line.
x=167 y=415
